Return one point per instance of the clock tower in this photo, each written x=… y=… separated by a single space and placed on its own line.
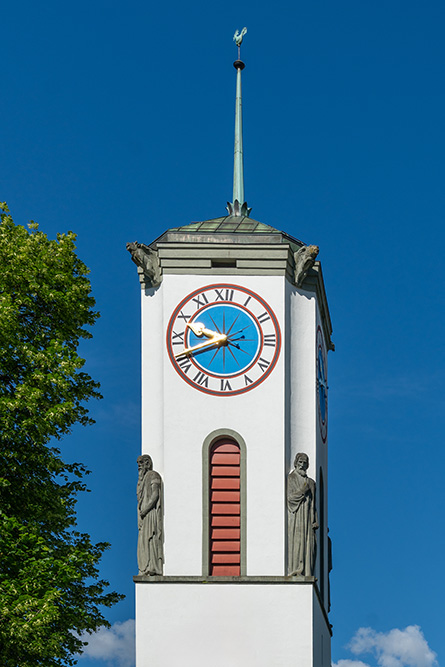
x=233 y=547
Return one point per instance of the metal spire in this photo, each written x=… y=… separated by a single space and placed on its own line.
x=238 y=207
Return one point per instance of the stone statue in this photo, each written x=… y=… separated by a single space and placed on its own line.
x=302 y=518
x=304 y=260
x=146 y=260
x=150 y=518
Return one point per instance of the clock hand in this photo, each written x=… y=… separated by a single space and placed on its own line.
x=199 y=330
x=216 y=339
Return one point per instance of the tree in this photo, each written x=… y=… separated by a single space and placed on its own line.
x=50 y=590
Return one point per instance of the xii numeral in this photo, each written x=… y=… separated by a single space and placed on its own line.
x=220 y=295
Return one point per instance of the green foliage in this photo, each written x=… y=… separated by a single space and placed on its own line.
x=49 y=586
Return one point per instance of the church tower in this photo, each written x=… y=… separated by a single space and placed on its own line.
x=233 y=548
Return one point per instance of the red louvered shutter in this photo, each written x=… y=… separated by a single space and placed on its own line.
x=225 y=525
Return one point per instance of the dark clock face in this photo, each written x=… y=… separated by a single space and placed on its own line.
x=223 y=339
x=322 y=386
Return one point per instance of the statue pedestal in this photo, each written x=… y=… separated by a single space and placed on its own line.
x=236 y=622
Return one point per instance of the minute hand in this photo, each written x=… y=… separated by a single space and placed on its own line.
x=217 y=339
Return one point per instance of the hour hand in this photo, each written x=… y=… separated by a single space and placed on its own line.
x=217 y=339
x=200 y=330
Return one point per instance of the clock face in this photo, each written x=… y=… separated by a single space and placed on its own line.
x=223 y=339
x=322 y=386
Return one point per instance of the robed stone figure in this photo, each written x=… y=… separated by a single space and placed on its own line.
x=302 y=518
x=150 y=518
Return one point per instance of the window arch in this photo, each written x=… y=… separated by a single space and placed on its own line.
x=224 y=504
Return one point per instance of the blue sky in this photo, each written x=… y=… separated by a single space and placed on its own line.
x=117 y=123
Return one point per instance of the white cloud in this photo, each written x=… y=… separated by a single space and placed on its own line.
x=349 y=663
x=396 y=648
x=115 y=644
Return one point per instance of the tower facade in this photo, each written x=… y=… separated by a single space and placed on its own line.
x=235 y=335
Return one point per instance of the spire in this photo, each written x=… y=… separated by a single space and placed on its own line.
x=238 y=207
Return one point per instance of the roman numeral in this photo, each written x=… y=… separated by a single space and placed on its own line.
x=247 y=301
x=247 y=380
x=198 y=301
x=202 y=379
x=181 y=316
x=220 y=295
x=225 y=385
x=263 y=364
x=265 y=316
x=270 y=339
x=185 y=364
x=178 y=338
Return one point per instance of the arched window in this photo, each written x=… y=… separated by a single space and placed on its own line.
x=225 y=509
x=224 y=505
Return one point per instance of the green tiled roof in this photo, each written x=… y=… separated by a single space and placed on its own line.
x=228 y=224
x=230 y=228
x=231 y=224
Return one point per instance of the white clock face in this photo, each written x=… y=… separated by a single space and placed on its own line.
x=223 y=339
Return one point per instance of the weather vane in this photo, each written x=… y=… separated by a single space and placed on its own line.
x=238 y=39
x=238 y=206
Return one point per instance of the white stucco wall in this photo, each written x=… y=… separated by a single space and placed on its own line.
x=302 y=374
x=321 y=637
x=262 y=624
x=236 y=625
x=177 y=418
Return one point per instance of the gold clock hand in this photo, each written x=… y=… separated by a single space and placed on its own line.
x=200 y=330
x=217 y=339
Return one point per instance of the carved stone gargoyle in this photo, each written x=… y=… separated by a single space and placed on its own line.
x=304 y=261
x=147 y=262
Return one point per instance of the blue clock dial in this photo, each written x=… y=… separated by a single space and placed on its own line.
x=223 y=339
x=243 y=340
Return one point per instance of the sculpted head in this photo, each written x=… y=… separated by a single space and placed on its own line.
x=301 y=462
x=313 y=250
x=145 y=462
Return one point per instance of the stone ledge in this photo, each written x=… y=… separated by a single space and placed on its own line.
x=143 y=579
